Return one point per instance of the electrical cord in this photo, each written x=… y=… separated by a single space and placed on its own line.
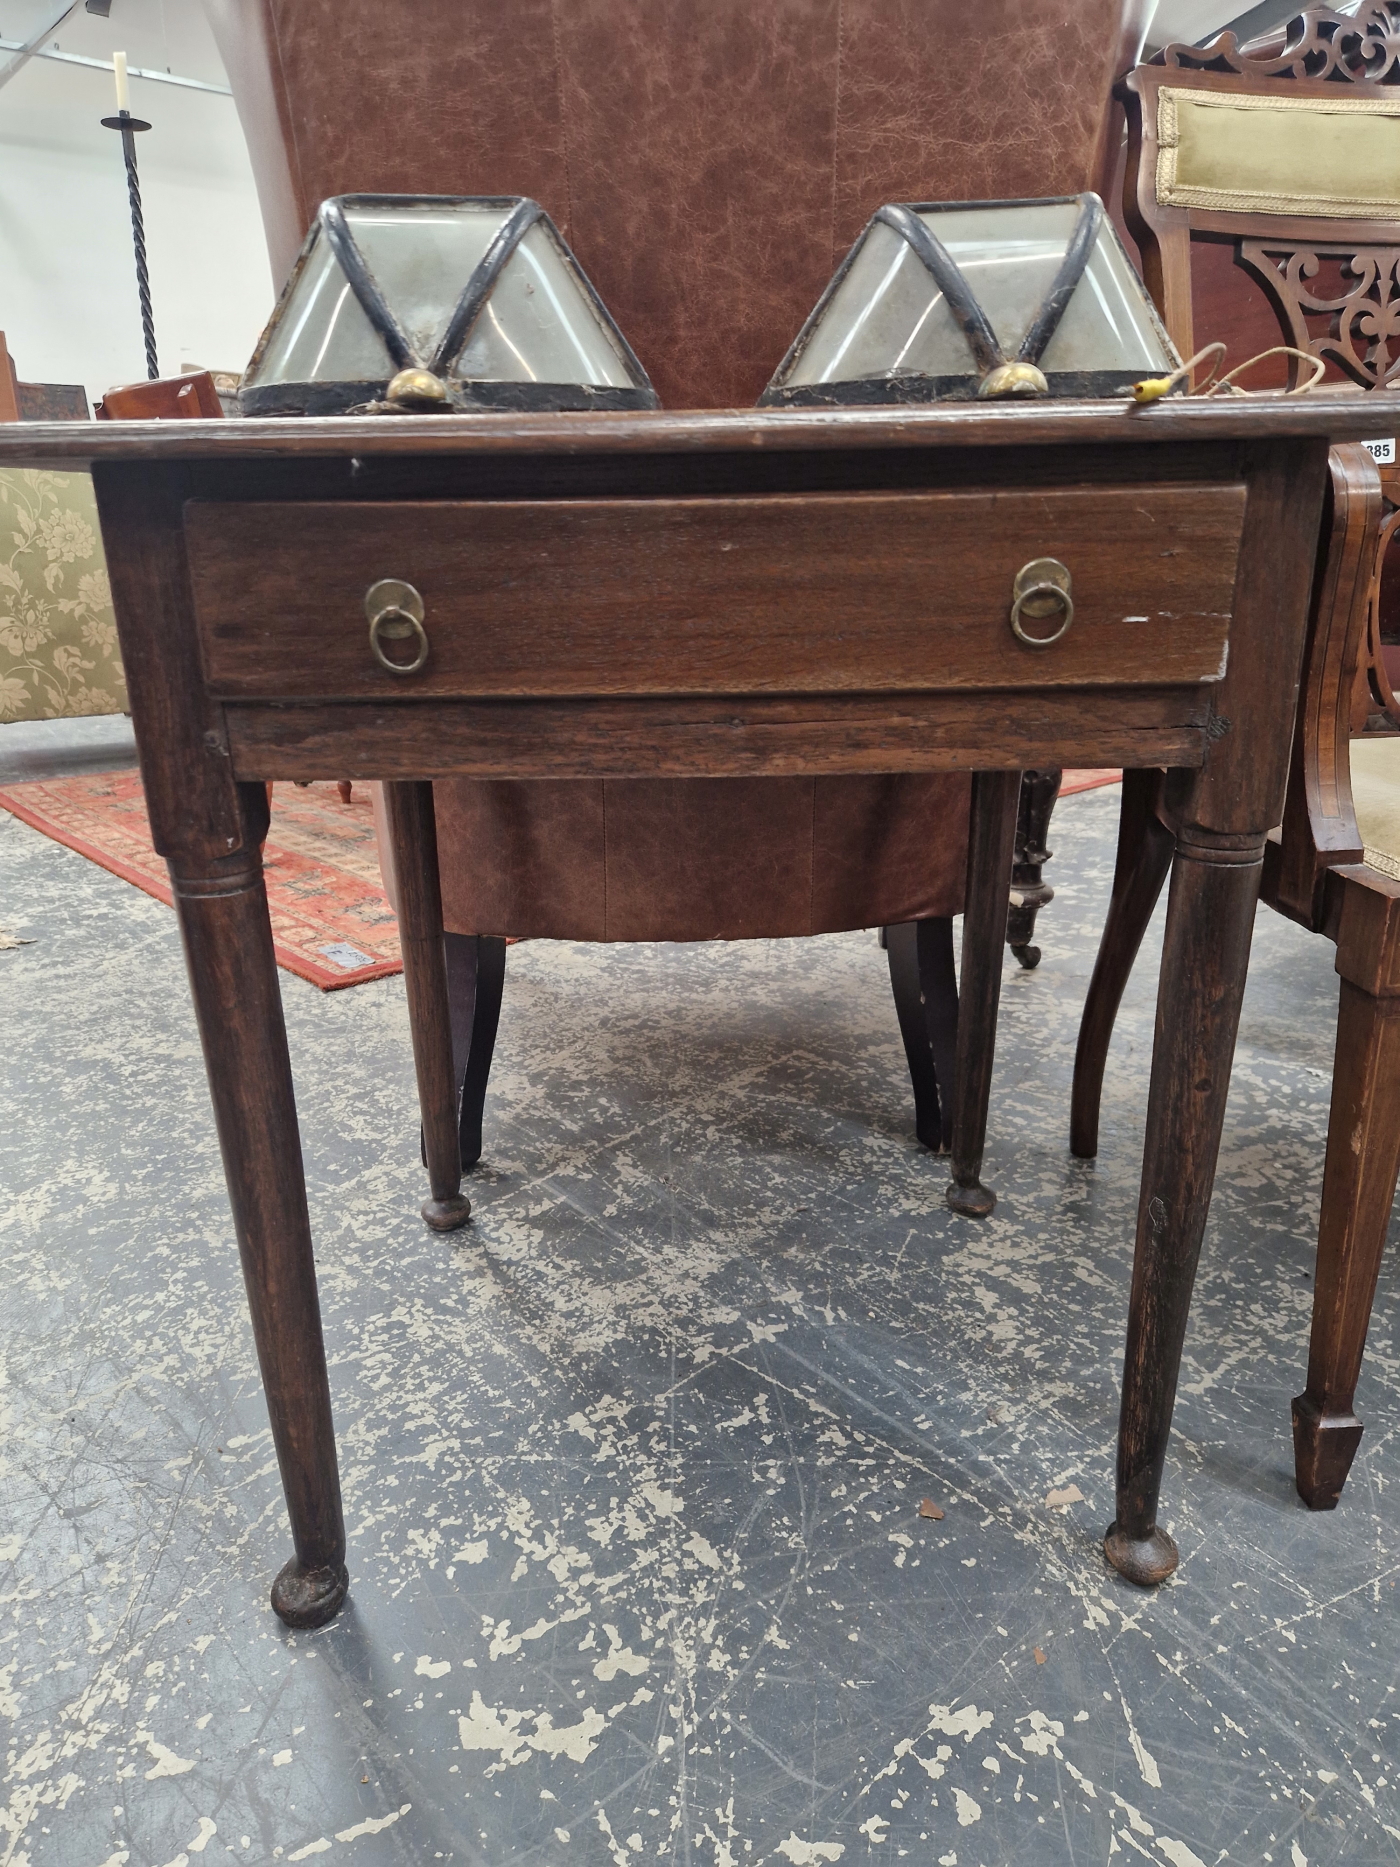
x=1153 y=388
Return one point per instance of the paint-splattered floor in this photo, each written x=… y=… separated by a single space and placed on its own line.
x=633 y=1466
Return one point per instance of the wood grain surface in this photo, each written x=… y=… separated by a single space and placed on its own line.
x=735 y=738
x=823 y=593
x=1337 y=415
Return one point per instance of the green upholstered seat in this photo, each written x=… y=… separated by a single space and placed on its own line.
x=1375 y=789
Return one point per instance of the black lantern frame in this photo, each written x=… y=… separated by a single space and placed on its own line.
x=984 y=347
x=462 y=395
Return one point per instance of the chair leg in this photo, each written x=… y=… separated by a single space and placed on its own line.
x=1358 y=1187
x=1029 y=894
x=925 y=986
x=476 y=972
x=991 y=847
x=1144 y=859
x=413 y=831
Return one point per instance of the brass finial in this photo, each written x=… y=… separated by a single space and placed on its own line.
x=416 y=388
x=1013 y=379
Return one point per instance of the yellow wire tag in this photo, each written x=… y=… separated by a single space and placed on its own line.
x=1153 y=388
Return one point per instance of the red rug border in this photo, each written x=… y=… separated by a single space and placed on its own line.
x=1092 y=784
x=320 y=976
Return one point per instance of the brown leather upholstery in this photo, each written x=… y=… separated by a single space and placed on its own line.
x=709 y=161
x=740 y=857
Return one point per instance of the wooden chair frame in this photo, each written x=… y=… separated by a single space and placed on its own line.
x=1315 y=870
x=1324 y=51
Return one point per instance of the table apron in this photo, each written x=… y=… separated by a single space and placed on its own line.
x=685 y=738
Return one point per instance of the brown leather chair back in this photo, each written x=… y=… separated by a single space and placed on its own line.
x=709 y=161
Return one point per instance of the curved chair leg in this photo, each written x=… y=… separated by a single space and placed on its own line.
x=991 y=846
x=1029 y=894
x=408 y=807
x=925 y=986
x=476 y=976
x=1358 y=1188
x=1144 y=858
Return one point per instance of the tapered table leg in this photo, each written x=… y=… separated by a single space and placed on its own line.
x=991 y=848
x=222 y=907
x=1210 y=918
x=413 y=831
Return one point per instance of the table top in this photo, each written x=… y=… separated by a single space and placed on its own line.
x=1337 y=415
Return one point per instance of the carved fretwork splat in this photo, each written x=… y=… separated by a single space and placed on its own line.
x=1359 y=48
x=1361 y=328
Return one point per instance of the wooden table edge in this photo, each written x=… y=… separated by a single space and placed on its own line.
x=1338 y=416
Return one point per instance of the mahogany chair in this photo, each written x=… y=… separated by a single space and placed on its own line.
x=709 y=166
x=1226 y=148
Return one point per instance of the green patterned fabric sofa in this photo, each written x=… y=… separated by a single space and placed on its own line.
x=58 y=636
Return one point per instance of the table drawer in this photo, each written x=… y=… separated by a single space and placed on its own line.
x=791 y=594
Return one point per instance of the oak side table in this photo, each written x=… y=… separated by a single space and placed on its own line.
x=717 y=594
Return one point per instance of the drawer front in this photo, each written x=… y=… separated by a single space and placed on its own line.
x=793 y=594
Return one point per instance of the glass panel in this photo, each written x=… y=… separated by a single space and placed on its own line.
x=423 y=256
x=888 y=317
x=1109 y=324
x=322 y=335
x=539 y=325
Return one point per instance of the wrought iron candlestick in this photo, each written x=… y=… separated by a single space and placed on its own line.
x=128 y=125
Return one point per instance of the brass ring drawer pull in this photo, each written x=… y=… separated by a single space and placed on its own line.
x=1042 y=591
x=395 y=612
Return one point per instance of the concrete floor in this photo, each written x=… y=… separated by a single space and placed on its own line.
x=633 y=1465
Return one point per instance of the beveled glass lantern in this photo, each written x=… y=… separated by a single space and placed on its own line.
x=407 y=303
x=977 y=298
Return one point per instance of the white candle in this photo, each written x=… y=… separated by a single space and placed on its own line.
x=123 y=94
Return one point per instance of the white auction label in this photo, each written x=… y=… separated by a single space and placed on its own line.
x=1382 y=452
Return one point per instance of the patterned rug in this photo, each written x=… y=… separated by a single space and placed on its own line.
x=1083 y=779
x=330 y=921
